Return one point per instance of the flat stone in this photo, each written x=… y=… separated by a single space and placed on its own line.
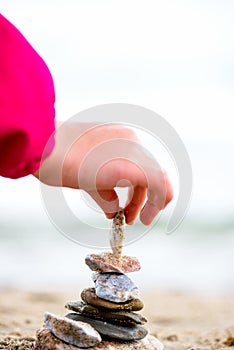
x=107 y=262
x=114 y=287
x=110 y=330
x=47 y=341
x=74 y=333
x=119 y=317
x=89 y=296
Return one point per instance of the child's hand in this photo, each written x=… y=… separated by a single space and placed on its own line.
x=97 y=158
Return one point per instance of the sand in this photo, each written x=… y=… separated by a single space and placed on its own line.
x=180 y=321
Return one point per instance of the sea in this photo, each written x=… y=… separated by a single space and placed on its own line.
x=196 y=258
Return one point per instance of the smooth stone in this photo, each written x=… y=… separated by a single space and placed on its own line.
x=72 y=332
x=114 y=287
x=111 y=330
x=47 y=341
x=107 y=262
x=89 y=296
x=123 y=317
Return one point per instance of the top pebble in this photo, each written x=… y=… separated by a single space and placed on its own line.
x=106 y=262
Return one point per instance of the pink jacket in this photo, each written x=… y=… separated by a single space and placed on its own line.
x=26 y=104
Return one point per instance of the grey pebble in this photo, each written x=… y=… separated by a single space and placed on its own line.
x=79 y=334
x=114 y=287
x=112 y=331
x=119 y=317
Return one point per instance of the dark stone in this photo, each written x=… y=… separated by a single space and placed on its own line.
x=89 y=296
x=119 y=317
x=111 y=330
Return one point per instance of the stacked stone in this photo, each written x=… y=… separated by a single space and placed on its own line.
x=106 y=318
x=110 y=306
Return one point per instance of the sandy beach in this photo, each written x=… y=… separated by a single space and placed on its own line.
x=180 y=321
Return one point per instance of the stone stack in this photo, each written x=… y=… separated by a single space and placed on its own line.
x=106 y=317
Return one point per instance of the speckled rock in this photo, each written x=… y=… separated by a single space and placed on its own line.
x=119 y=317
x=117 y=233
x=89 y=296
x=47 y=341
x=107 y=262
x=74 y=333
x=112 y=331
x=114 y=287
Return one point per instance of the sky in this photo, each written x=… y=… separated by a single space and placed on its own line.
x=174 y=57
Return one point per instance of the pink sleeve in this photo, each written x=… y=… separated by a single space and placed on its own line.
x=26 y=104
